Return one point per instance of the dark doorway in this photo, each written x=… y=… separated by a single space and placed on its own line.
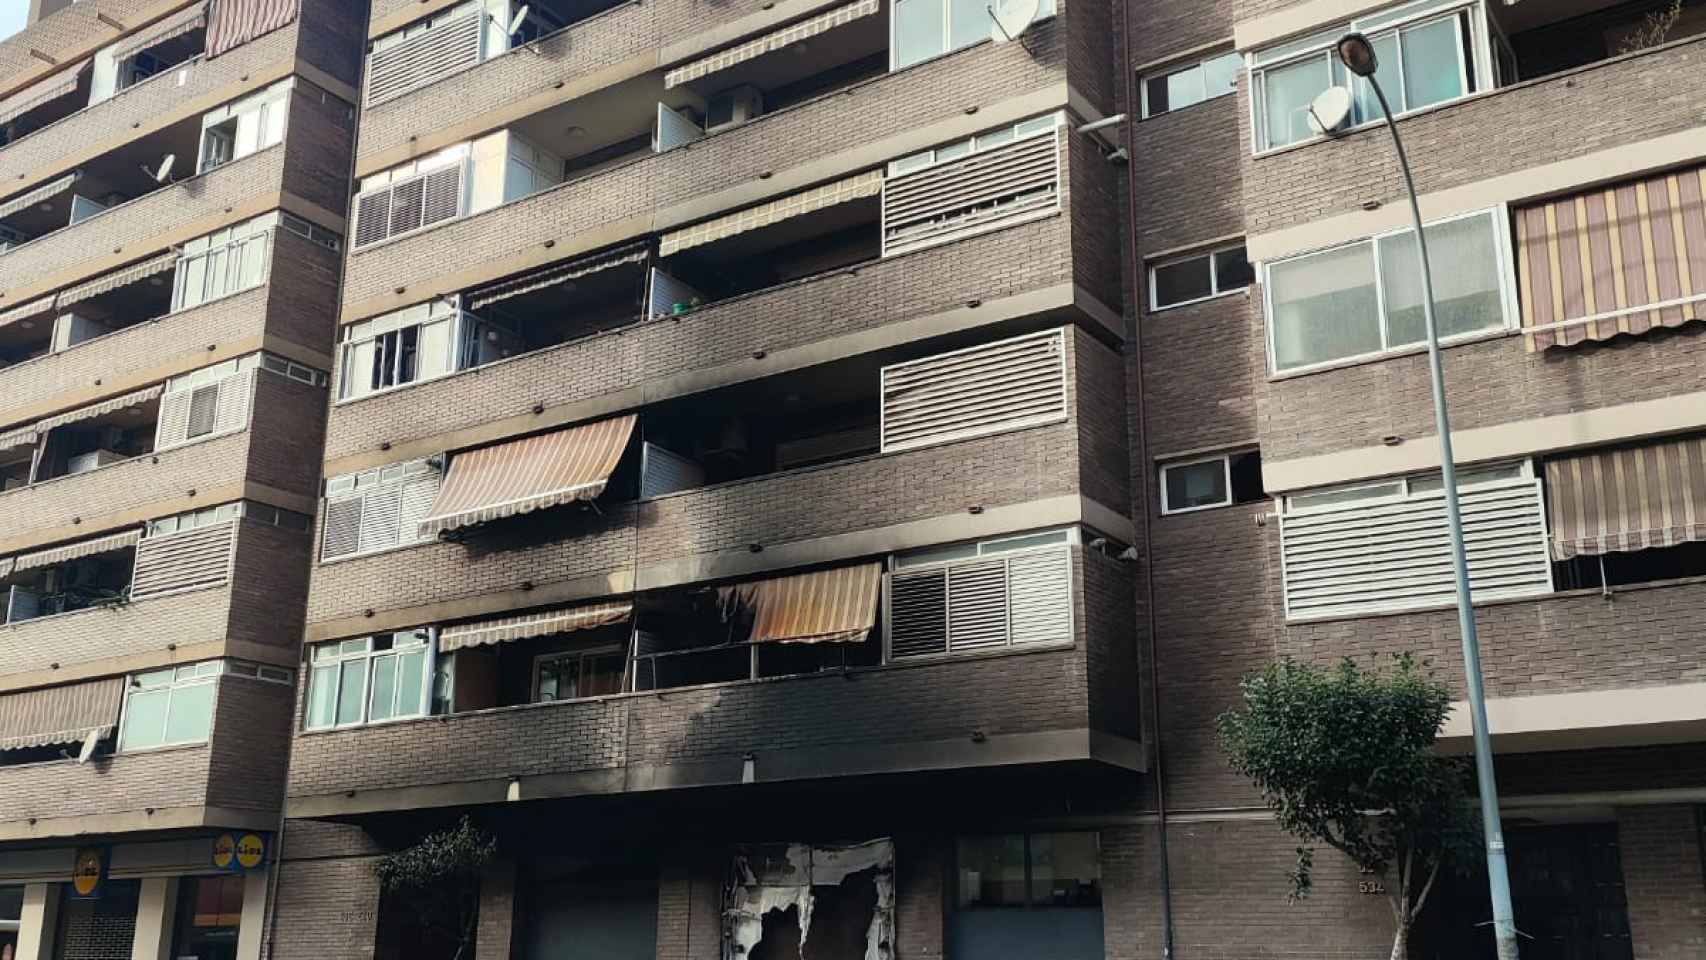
x=1567 y=891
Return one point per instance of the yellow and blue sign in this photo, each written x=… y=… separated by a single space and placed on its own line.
x=89 y=873
x=239 y=852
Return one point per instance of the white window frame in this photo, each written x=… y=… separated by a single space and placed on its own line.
x=439 y=310
x=231 y=241
x=361 y=649
x=1045 y=11
x=1047 y=125
x=205 y=673
x=1403 y=487
x=1006 y=545
x=1213 y=257
x=359 y=484
x=1505 y=267
x=1185 y=66
x=619 y=651
x=1376 y=26
x=1225 y=460
x=271 y=111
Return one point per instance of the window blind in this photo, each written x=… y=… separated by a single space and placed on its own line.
x=968 y=393
x=207 y=410
x=1022 y=598
x=424 y=59
x=181 y=561
x=380 y=510
x=410 y=204
x=986 y=191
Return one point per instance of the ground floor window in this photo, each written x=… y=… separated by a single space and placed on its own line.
x=210 y=914
x=1027 y=895
x=11 y=916
x=101 y=929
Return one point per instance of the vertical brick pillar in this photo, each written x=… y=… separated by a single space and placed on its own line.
x=919 y=889
x=497 y=911
x=1660 y=848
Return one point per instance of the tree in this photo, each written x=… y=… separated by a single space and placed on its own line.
x=1344 y=757
x=439 y=880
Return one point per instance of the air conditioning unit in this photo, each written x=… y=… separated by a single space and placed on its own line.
x=733 y=107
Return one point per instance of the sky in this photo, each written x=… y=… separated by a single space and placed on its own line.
x=12 y=14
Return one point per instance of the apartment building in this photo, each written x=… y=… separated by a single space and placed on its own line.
x=726 y=483
x=173 y=181
x=1292 y=470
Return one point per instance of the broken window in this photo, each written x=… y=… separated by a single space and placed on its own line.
x=804 y=902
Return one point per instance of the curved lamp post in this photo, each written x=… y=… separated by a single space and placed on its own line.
x=1358 y=56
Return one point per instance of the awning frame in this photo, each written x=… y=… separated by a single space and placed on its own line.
x=122 y=277
x=72 y=551
x=770 y=43
x=45 y=91
x=549 y=276
x=172 y=27
x=528 y=626
x=42 y=193
x=822 y=197
x=837 y=605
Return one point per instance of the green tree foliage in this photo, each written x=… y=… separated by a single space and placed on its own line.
x=438 y=880
x=1344 y=757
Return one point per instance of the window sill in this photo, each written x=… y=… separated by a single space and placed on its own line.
x=1241 y=291
x=1462 y=340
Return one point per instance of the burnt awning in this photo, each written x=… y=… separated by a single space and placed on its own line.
x=184 y=21
x=132 y=399
x=235 y=22
x=540 y=624
x=54 y=87
x=1619 y=259
x=1627 y=499
x=828 y=606
x=770 y=42
x=529 y=474
x=122 y=277
x=54 y=715
x=74 y=551
x=557 y=273
x=46 y=191
x=867 y=184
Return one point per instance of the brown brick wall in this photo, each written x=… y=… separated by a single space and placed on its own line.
x=169 y=777
x=1190 y=173
x=269 y=584
x=302 y=300
x=1111 y=644
x=332 y=35
x=1166 y=28
x=317 y=148
x=249 y=744
x=285 y=428
x=326 y=910
x=1098 y=374
x=1662 y=876
x=85 y=636
x=1203 y=369
x=64 y=31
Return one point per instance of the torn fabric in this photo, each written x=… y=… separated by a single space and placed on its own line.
x=771 y=878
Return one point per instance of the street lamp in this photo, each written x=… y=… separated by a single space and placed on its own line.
x=1358 y=56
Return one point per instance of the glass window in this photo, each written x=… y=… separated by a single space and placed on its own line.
x=404 y=347
x=225 y=263
x=992 y=871
x=210 y=915
x=1433 y=69
x=367 y=680
x=1287 y=93
x=1192 y=85
x=1324 y=307
x=1035 y=870
x=1175 y=283
x=578 y=673
x=1335 y=497
x=168 y=707
x=921 y=29
x=1467 y=293
x=1194 y=486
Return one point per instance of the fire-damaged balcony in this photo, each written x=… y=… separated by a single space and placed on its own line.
x=839 y=672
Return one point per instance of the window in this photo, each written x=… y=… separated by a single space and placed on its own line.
x=378 y=509
x=368 y=680
x=1430 y=52
x=205 y=517
x=170 y=706
x=1193 y=84
x=412 y=196
x=931 y=197
x=1202 y=276
x=210 y=914
x=409 y=345
x=1365 y=298
x=1218 y=481
x=921 y=29
x=223 y=262
x=212 y=401
x=11 y=918
x=1027 y=895
x=1384 y=546
x=425 y=51
x=983 y=595
x=578 y=673
x=245 y=126
x=1006 y=385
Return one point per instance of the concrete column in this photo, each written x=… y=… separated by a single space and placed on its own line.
x=497 y=911
x=39 y=922
x=156 y=912
x=254 y=914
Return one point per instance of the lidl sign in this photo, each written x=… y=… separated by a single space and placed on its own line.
x=239 y=852
x=88 y=873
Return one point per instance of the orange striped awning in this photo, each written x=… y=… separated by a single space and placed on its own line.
x=529 y=625
x=1627 y=499
x=829 y=606
x=1621 y=259
x=533 y=473
x=54 y=715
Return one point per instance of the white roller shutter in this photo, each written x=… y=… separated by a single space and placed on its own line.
x=969 y=393
x=412 y=203
x=183 y=561
x=424 y=59
x=985 y=191
x=985 y=603
x=1396 y=554
x=341 y=529
x=382 y=513
x=208 y=410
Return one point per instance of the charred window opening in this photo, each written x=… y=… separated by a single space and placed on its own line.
x=1554 y=38
x=43 y=585
x=802 y=902
x=98 y=441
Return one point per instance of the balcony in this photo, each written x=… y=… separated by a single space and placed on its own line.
x=1042 y=706
x=778 y=152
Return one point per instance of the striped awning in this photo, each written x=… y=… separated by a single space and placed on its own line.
x=104 y=407
x=74 y=551
x=184 y=21
x=46 y=191
x=770 y=43
x=1627 y=499
x=556 y=274
x=20 y=437
x=1619 y=259
x=6 y=564
x=529 y=625
x=54 y=87
x=829 y=606
x=124 y=277
x=867 y=184
x=25 y=311
x=51 y=716
x=533 y=473
x=232 y=23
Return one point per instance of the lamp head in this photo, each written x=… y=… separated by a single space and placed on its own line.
x=1357 y=54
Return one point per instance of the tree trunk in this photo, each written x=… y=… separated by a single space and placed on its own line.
x=1401 y=942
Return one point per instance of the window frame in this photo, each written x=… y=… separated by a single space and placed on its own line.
x=201 y=673
x=424 y=639
x=1505 y=267
x=1047 y=9
x=953 y=901
x=1185 y=66
x=1377 y=25
x=1468 y=476
x=1225 y=460
x=1212 y=255
x=619 y=651
x=233 y=247
x=446 y=310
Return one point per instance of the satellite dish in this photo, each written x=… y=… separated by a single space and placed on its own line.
x=165 y=168
x=1012 y=18
x=91 y=740
x=1330 y=111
